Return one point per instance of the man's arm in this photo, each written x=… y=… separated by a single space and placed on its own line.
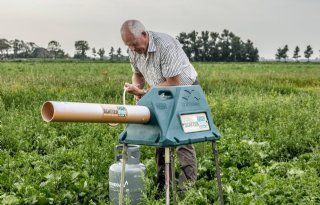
x=138 y=80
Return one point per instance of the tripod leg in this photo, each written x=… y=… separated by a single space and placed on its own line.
x=167 y=174
x=173 y=178
x=216 y=159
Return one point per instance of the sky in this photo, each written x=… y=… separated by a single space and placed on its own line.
x=269 y=24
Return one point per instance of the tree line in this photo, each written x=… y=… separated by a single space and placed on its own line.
x=211 y=46
x=201 y=46
x=12 y=49
x=282 y=53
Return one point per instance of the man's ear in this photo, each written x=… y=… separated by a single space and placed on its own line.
x=144 y=33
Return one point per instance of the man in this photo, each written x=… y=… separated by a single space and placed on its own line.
x=159 y=60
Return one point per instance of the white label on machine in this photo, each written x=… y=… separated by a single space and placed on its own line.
x=195 y=122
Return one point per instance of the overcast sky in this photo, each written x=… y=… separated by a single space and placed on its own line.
x=270 y=24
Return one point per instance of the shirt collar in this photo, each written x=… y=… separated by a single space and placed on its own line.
x=151 y=46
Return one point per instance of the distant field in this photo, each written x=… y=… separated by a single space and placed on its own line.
x=268 y=115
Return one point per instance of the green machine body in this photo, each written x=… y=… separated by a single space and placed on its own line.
x=179 y=115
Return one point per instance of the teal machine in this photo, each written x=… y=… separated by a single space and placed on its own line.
x=180 y=115
x=165 y=117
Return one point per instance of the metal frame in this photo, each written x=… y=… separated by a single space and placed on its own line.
x=169 y=160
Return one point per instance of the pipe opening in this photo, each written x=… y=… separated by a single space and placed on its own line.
x=47 y=111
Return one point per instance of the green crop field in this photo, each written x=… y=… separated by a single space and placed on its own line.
x=268 y=115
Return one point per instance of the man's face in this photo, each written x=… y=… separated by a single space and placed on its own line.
x=139 y=45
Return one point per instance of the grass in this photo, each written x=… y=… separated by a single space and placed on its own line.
x=268 y=115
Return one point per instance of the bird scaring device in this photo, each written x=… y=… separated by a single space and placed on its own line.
x=164 y=117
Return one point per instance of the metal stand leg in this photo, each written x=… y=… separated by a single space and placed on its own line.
x=167 y=174
x=173 y=180
x=216 y=159
x=124 y=162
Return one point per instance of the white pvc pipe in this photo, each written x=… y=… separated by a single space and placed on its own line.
x=53 y=111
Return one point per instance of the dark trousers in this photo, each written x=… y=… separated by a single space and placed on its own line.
x=188 y=165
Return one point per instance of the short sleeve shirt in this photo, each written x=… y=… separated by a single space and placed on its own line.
x=165 y=58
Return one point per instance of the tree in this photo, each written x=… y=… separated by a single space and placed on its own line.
x=194 y=45
x=101 y=52
x=251 y=53
x=61 y=54
x=205 y=48
x=27 y=49
x=184 y=40
x=81 y=48
x=111 y=53
x=214 y=51
x=4 y=46
x=225 y=45
x=237 y=53
x=17 y=46
x=284 y=54
x=22 y=48
x=308 y=52
x=40 y=53
x=296 y=53
x=279 y=54
x=31 y=46
x=119 y=53
x=54 y=48
x=94 y=52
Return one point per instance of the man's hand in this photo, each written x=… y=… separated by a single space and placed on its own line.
x=134 y=89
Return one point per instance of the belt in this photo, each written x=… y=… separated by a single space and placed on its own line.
x=196 y=82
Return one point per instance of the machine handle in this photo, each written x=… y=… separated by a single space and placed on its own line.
x=165 y=94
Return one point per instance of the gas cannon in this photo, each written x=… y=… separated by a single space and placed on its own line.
x=164 y=117
x=178 y=115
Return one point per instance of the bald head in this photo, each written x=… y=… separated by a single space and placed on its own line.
x=135 y=36
x=133 y=27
